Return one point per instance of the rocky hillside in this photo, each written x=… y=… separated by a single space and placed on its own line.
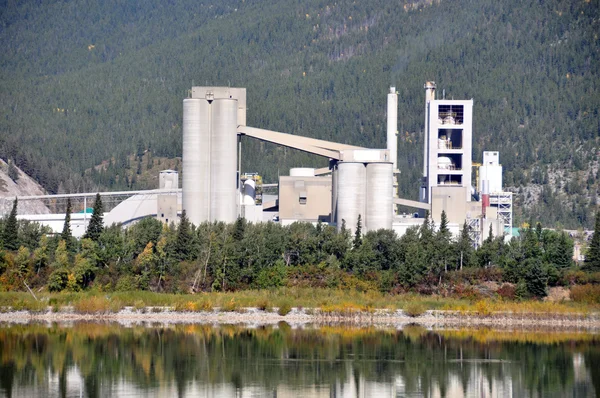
x=19 y=185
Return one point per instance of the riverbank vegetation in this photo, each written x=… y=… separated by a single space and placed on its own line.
x=270 y=265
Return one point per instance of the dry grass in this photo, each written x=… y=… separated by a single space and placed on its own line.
x=97 y=305
x=328 y=300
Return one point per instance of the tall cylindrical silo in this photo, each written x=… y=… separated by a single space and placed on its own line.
x=223 y=161
x=195 y=159
x=379 y=196
x=351 y=182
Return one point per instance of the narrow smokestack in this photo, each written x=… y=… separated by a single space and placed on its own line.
x=392 y=125
x=485 y=196
x=429 y=91
x=429 y=96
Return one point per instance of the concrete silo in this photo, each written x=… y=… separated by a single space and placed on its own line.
x=379 y=192
x=210 y=121
x=196 y=159
x=351 y=194
x=223 y=161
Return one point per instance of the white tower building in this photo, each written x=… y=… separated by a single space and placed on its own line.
x=448 y=143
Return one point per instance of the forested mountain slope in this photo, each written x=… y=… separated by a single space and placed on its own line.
x=83 y=82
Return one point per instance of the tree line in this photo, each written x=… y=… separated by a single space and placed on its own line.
x=226 y=257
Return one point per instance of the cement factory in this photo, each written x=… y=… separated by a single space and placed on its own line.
x=359 y=182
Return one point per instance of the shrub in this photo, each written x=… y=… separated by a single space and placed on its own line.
x=126 y=283
x=507 y=291
x=58 y=280
x=272 y=277
x=139 y=305
x=204 y=305
x=93 y=305
x=185 y=306
x=586 y=294
x=284 y=309
x=414 y=309
x=263 y=305
x=468 y=292
x=521 y=291
x=482 y=308
x=230 y=306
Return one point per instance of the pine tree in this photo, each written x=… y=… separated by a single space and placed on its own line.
x=443 y=237
x=184 y=238
x=66 y=232
x=10 y=234
x=592 y=257
x=358 y=233
x=464 y=247
x=96 y=225
x=536 y=279
x=238 y=229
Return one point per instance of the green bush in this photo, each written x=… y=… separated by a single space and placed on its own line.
x=58 y=280
x=284 y=309
x=414 y=309
x=272 y=277
x=126 y=283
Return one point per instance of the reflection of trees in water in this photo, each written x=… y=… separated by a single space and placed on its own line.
x=528 y=364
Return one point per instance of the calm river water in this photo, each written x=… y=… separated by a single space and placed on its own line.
x=102 y=360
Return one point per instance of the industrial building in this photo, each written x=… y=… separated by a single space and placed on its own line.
x=359 y=182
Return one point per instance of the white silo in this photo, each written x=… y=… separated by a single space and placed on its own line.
x=249 y=196
x=223 y=160
x=379 y=191
x=195 y=159
x=351 y=192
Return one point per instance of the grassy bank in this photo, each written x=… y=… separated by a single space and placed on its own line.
x=327 y=300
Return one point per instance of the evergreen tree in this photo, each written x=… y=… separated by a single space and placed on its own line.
x=10 y=234
x=464 y=247
x=66 y=232
x=592 y=257
x=96 y=225
x=358 y=233
x=443 y=240
x=536 y=279
x=184 y=238
x=485 y=253
x=239 y=228
x=531 y=244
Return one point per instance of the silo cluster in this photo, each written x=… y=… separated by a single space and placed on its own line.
x=363 y=188
x=210 y=120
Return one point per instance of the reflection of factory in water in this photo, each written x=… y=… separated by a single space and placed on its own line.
x=358 y=181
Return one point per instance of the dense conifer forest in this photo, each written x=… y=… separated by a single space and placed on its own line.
x=87 y=83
